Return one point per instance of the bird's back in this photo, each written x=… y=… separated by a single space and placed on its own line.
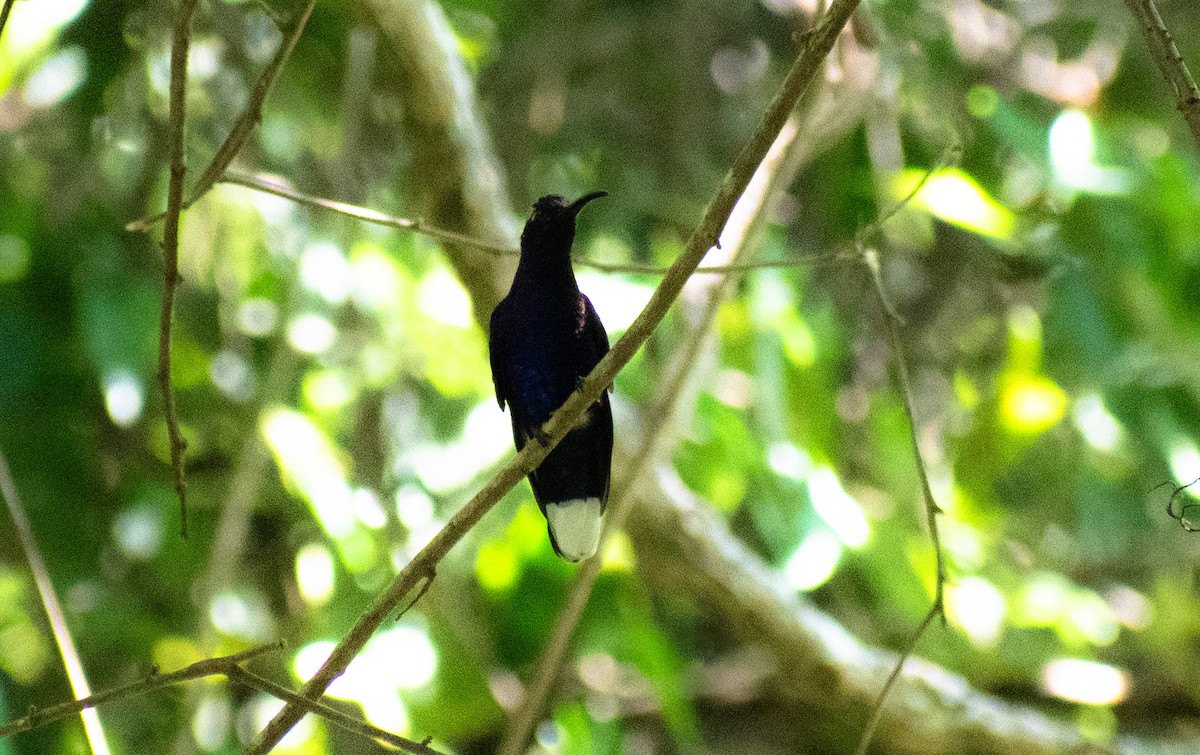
x=546 y=349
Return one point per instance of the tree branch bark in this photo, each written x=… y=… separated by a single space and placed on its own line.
x=1170 y=62
x=803 y=72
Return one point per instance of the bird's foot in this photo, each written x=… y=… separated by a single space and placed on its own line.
x=541 y=436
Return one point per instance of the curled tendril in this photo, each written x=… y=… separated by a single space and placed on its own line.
x=1182 y=511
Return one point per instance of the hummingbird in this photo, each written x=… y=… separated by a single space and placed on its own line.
x=545 y=338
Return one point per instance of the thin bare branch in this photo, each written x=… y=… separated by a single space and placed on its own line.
x=892 y=323
x=362 y=213
x=877 y=709
x=8 y=4
x=847 y=252
x=179 y=57
x=683 y=545
x=230 y=667
x=332 y=715
x=662 y=407
x=154 y=681
x=54 y=612
x=707 y=234
x=245 y=125
x=1170 y=62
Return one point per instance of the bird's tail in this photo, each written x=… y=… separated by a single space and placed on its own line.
x=575 y=527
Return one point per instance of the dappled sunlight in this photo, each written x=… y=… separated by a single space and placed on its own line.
x=395 y=662
x=307 y=458
x=955 y=197
x=617 y=301
x=211 y=721
x=377 y=282
x=231 y=374
x=618 y=554
x=257 y=317
x=1077 y=614
x=1098 y=427
x=124 y=398
x=1184 y=458
x=242 y=614
x=790 y=461
x=139 y=530
x=315 y=575
x=1032 y=405
x=977 y=607
x=1073 y=156
x=325 y=271
x=56 y=79
x=963 y=543
x=368 y=509
x=814 y=560
x=485 y=439
x=328 y=390
x=1081 y=681
x=258 y=712
x=837 y=508
x=496 y=566
x=442 y=298
x=414 y=507
x=311 y=333
x=31 y=26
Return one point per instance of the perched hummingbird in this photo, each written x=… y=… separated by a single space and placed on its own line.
x=545 y=338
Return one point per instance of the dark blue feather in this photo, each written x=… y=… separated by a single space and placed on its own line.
x=545 y=337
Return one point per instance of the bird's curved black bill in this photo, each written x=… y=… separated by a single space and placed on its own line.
x=578 y=204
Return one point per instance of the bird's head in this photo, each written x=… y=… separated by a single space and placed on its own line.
x=551 y=227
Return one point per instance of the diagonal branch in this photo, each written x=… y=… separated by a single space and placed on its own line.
x=662 y=407
x=230 y=667
x=1170 y=62
x=803 y=72
x=8 y=4
x=245 y=125
x=826 y=672
x=54 y=612
x=332 y=715
x=155 y=681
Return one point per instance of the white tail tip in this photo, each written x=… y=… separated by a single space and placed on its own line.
x=575 y=527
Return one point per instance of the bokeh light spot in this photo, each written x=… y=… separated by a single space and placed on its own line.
x=978 y=607
x=123 y=398
x=311 y=334
x=837 y=508
x=325 y=271
x=139 y=531
x=1087 y=682
x=1032 y=404
x=496 y=566
x=814 y=561
x=14 y=258
x=957 y=198
x=315 y=574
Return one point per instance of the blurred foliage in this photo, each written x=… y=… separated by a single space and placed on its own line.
x=1048 y=281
